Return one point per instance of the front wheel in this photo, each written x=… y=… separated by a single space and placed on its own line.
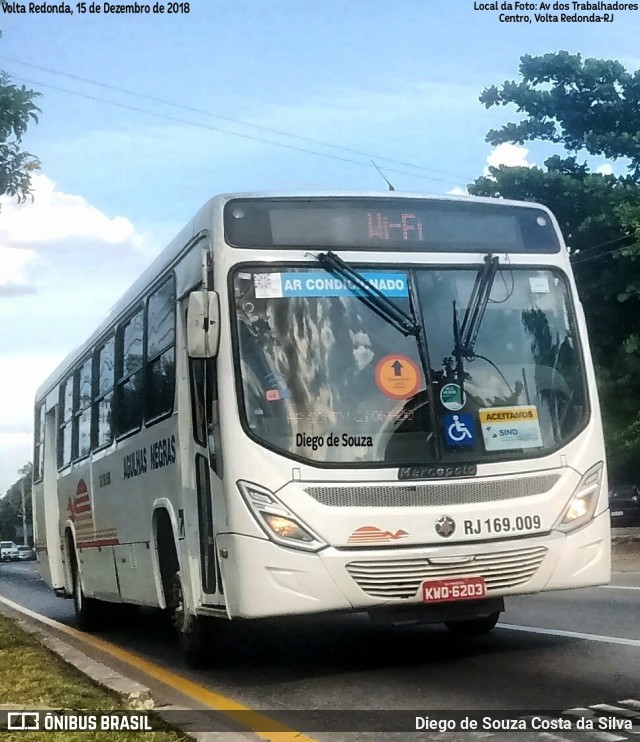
x=473 y=626
x=192 y=631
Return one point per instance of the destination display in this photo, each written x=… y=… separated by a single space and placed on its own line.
x=389 y=224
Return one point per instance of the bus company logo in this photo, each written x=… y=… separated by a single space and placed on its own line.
x=23 y=721
x=79 y=507
x=81 y=515
x=445 y=526
x=372 y=535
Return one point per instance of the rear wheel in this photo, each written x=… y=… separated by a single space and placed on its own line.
x=473 y=626
x=192 y=631
x=89 y=611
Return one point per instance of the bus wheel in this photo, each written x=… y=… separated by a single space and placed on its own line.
x=473 y=626
x=89 y=615
x=191 y=630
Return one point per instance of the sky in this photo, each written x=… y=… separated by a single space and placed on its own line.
x=144 y=117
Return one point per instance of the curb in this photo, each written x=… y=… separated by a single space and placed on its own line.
x=619 y=540
x=137 y=696
x=625 y=535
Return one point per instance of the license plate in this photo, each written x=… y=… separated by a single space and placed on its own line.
x=617 y=513
x=460 y=588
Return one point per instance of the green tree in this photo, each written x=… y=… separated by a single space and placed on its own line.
x=591 y=105
x=11 y=504
x=592 y=212
x=17 y=111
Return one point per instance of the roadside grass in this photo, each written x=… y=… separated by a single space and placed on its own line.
x=34 y=678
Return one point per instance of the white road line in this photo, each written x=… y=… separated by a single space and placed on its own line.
x=27 y=611
x=617 y=710
x=572 y=635
x=631 y=712
x=618 y=587
x=551 y=737
x=592 y=734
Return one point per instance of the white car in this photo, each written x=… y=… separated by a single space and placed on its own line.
x=8 y=551
x=26 y=554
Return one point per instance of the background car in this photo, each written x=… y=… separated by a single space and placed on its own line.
x=8 y=551
x=624 y=503
x=25 y=553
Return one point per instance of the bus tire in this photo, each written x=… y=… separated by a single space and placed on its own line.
x=191 y=631
x=473 y=626
x=89 y=611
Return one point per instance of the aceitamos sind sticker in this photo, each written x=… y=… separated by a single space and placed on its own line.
x=506 y=428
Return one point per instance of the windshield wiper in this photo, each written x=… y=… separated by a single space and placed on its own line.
x=465 y=335
x=370 y=296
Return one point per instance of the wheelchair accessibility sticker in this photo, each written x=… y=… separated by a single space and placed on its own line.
x=459 y=429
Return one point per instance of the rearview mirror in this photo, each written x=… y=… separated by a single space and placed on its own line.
x=203 y=324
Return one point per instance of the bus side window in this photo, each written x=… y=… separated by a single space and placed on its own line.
x=130 y=403
x=38 y=455
x=65 y=422
x=82 y=410
x=213 y=428
x=196 y=379
x=104 y=380
x=204 y=407
x=160 y=351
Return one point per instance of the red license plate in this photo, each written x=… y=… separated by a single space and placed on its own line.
x=459 y=588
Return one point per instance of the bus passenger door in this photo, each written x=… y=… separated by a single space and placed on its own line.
x=208 y=468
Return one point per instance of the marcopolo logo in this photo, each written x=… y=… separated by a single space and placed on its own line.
x=437 y=472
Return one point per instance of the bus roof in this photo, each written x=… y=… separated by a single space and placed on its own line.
x=156 y=268
x=202 y=222
x=223 y=197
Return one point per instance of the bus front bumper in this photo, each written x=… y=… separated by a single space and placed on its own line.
x=263 y=579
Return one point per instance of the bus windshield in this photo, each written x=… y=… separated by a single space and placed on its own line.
x=325 y=379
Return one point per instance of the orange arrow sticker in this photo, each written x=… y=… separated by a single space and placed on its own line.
x=398 y=377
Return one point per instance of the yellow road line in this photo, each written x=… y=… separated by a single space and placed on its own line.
x=253 y=720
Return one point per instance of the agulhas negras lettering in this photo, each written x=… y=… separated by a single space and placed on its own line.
x=135 y=463
x=160 y=453
x=163 y=452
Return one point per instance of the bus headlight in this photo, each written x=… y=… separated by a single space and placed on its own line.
x=582 y=505
x=286 y=527
x=276 y=520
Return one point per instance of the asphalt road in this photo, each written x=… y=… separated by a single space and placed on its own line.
x=551 y=652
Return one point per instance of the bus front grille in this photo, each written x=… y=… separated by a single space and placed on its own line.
x=432 y=495
x=402 y=578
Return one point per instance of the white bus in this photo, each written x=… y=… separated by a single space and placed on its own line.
x=327 y=403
